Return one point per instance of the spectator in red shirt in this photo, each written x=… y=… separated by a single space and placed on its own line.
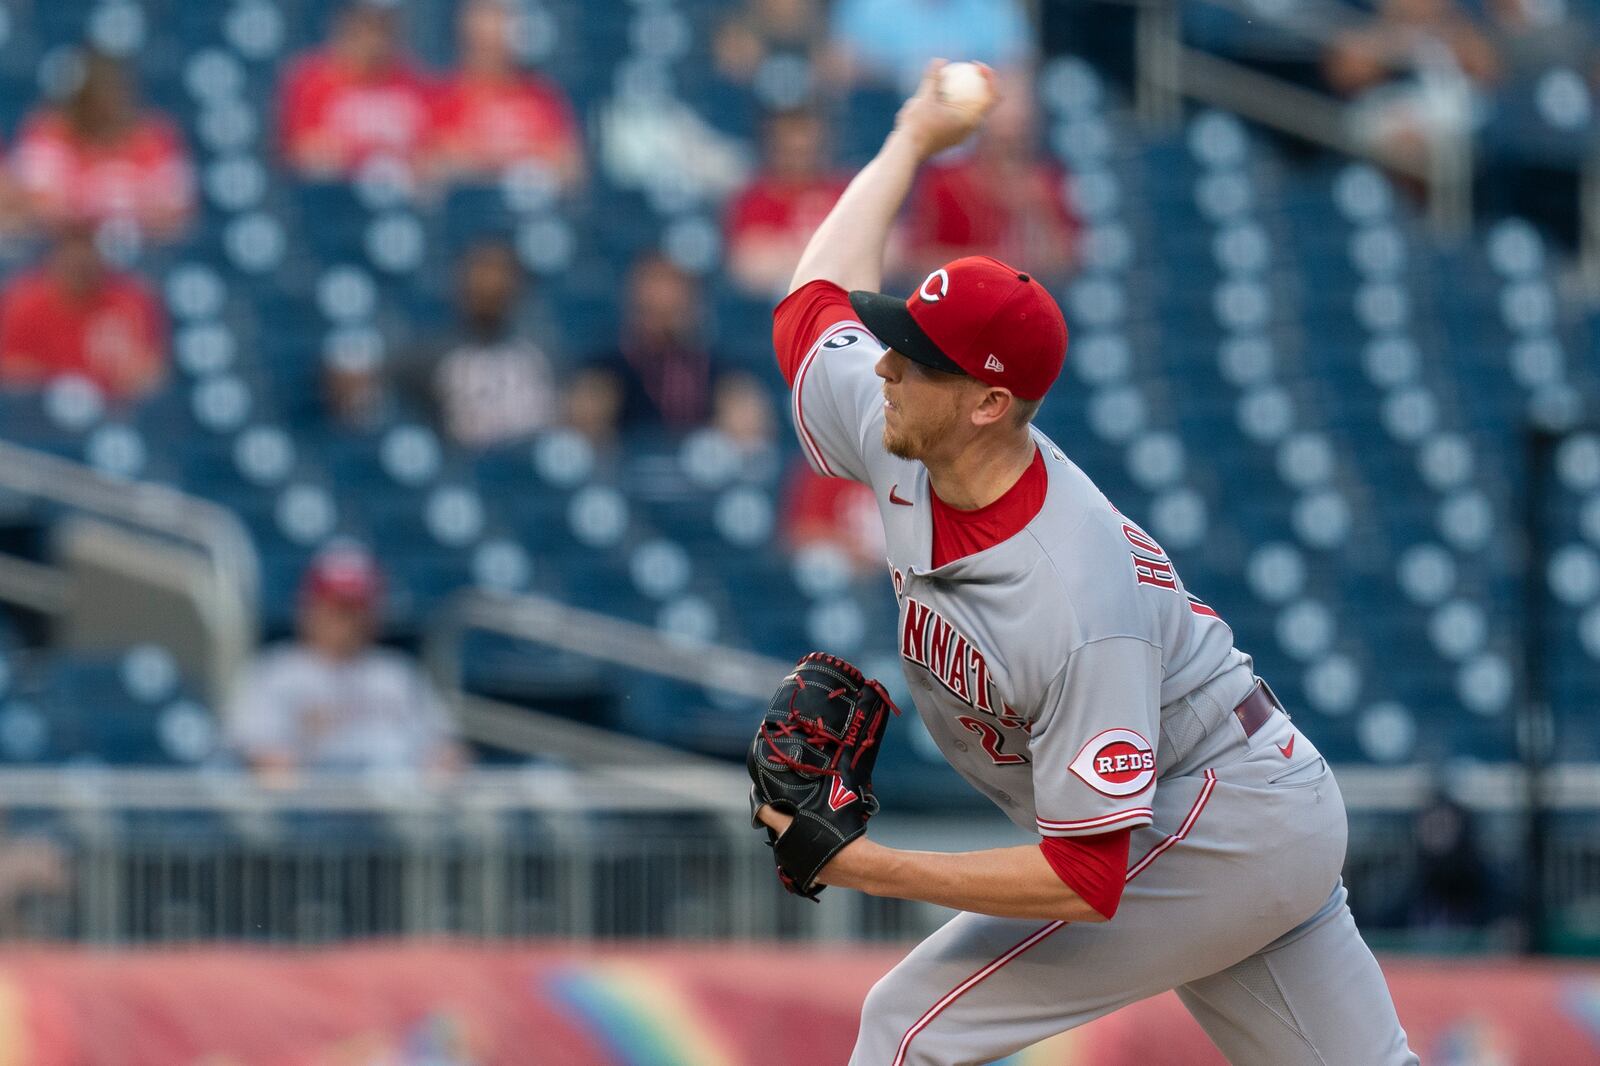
x=356 y=99
x=769 y=223
x=490 y=114
x=76 y=316
x=97 y=156
x=835 y=513
x=1002 y=200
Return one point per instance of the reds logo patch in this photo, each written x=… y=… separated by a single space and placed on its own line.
x=935 y=286
x=843 y=340
x=1118 y=762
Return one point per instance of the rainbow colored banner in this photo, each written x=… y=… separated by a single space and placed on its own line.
x=442 y=1004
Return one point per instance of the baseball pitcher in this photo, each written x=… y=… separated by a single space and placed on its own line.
x=1190 y=836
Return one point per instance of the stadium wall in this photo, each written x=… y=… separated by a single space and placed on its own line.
x=675 y=1005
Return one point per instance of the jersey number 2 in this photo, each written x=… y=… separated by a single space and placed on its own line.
x=991 y=741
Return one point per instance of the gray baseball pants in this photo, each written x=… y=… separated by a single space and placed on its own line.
x=1233 y=899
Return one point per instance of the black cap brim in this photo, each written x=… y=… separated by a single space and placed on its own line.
x=889 y=320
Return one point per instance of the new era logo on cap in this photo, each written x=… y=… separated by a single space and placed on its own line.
x=975 y=316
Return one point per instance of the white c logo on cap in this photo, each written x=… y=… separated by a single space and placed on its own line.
x=944 y=286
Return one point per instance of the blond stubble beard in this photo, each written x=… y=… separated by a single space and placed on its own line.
x=903 y=444
x=897 y=446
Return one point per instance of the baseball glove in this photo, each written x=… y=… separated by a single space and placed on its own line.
x=812 y=758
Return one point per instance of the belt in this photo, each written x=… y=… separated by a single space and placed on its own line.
x=1256 y=708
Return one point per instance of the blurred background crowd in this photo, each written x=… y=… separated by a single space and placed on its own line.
x=476 y=295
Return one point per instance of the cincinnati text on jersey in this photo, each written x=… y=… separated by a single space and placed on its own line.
x=932 y=641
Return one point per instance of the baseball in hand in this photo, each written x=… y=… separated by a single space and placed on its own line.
x=965 y=85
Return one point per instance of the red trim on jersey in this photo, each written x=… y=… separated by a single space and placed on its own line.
x=965 y=986
x=1101 y=822
x=958 y=533
x=802 y=321
x=801 y=318
x=1183 y=830
x=1046 y=930
x=1199 y=608
x=807 y=441
x=1095 y=867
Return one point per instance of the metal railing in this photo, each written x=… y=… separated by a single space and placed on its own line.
x=1169 y=71
x=179 y=856
x=212 y=529
x=170 y=856
x=136 y=530
x=553 y=624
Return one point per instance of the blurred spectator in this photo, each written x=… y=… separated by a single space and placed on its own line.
x=742 y=415
x=356 y=99
x=489 y=383
x=97 y=156
x=659 y=144
x=75 y=315
x=769 y=223
x=889 y=42
x=1533 y=36
x=1003 y=200
x=741 y=438
x=1541 y=130
x=31 y=868
x=592 y=407
x=354 y=391
x=490 y=114
x=767 y=29
x=1453 y=888
x=333 y=699
x=835 y=513
x=1414 y=72
x=659 y=376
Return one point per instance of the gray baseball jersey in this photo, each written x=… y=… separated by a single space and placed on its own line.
x=1041 y=665
x=1069 y=676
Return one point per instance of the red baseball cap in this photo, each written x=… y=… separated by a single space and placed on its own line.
x=975 y=316
x=345 y=574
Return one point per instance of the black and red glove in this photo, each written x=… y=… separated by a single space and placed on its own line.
x=812 y=758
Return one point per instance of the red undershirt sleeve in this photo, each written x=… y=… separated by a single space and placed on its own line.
x=1095 y=867
x=802 y=317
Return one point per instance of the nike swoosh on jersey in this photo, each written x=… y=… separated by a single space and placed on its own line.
x=1287 y=750
x=894 y=497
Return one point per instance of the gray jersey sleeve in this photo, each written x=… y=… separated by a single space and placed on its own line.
x=837 y=402
x=1094 y=764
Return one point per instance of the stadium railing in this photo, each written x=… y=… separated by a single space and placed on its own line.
x=124 y=537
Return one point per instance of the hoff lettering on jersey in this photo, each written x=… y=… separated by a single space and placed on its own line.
x=1117 y=762
x=1152 y=567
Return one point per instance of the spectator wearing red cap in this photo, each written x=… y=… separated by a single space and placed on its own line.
x=75 y=316
x=354 y=100
x=98 y=156
x=491 y=115
x=333 y=700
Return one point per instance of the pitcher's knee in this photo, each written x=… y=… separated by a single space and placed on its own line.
x=891 y=1010
x=884 y=1006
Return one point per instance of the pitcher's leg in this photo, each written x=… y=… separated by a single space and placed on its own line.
x=1313 y=998
x=981 y=988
